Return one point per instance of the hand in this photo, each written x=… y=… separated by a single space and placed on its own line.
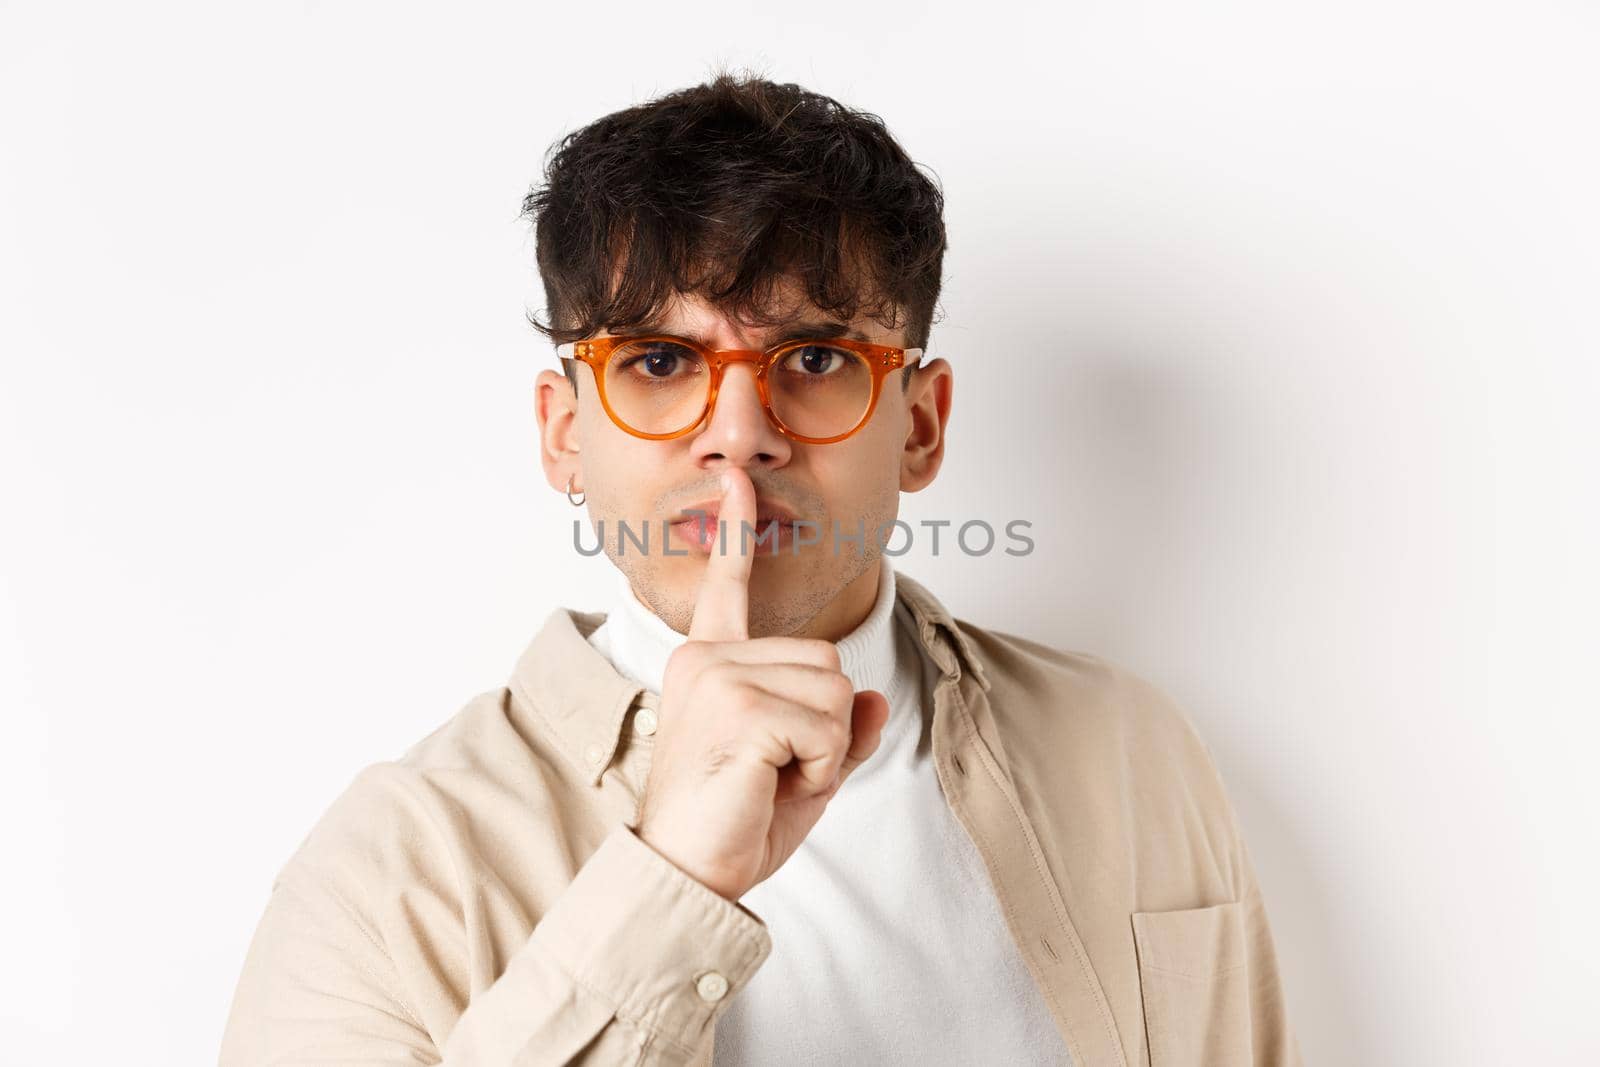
x=755 y=736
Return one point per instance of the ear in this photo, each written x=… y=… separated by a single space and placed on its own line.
x=556 y=405
x=927 y=401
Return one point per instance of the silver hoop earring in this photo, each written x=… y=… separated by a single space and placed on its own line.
x=578 y=502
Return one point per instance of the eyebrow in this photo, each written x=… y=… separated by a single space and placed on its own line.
x=817 y=329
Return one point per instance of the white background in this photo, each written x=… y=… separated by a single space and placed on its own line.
x=1306 y=301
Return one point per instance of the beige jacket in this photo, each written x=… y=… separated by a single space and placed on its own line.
x=484 y=901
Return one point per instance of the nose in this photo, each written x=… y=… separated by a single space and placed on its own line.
x=739 y=432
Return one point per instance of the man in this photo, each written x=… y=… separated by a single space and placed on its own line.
x=777 y=806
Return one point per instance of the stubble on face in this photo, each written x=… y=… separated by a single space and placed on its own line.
x=787 y=591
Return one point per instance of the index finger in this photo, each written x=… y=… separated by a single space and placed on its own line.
x=722 y=609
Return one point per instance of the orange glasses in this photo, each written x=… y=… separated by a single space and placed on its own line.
x=661 y=387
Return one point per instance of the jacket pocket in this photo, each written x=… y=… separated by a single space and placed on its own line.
x=1194 y=980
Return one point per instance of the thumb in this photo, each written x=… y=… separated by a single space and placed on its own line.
x=868 y=716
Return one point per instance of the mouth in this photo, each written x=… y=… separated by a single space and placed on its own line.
x=773 y=530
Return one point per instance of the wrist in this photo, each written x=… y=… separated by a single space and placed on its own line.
x=717 y=882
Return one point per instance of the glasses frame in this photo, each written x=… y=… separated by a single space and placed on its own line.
x=881 y=361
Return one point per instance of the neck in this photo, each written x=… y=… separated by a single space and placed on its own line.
x=639 y=643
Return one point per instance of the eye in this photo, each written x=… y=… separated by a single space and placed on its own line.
x=656 y=360
x=815 y=361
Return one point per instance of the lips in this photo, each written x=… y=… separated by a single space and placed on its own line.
x=773 y=526
x=760 y=522
x=766 y=511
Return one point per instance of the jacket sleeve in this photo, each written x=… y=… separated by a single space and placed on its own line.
x=631 y=964
x=1272 y=1039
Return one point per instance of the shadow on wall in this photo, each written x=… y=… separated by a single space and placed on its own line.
x=1130 y=455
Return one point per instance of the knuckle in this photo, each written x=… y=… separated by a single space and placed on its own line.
x=826 y=653
x=838 y=733
x=715 y=757
x=743 y=700
x=841 y=691
x=719 y=675
x=683 y=663
x=691 y=654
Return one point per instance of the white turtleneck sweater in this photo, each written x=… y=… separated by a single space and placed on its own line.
x=888 y=945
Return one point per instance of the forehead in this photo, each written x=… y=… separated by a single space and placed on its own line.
x=785 y=312
x=788 y=316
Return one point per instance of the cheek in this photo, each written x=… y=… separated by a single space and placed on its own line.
x=627 y=477
x=594 y=426
x=858 y=480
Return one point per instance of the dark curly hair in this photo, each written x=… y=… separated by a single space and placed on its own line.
x=725 y=190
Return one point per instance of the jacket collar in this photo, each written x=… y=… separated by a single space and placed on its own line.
x=583 y=702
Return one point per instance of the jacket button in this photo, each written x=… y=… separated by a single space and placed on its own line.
x=595 y=755
x=644 y=722
x=712 y=987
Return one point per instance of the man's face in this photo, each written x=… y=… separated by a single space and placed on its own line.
x=819 y=589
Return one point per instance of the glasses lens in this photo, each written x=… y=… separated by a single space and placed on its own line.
x=818 y=390
x=657 y=386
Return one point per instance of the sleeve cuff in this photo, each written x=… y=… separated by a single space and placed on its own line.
x=668 y=951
